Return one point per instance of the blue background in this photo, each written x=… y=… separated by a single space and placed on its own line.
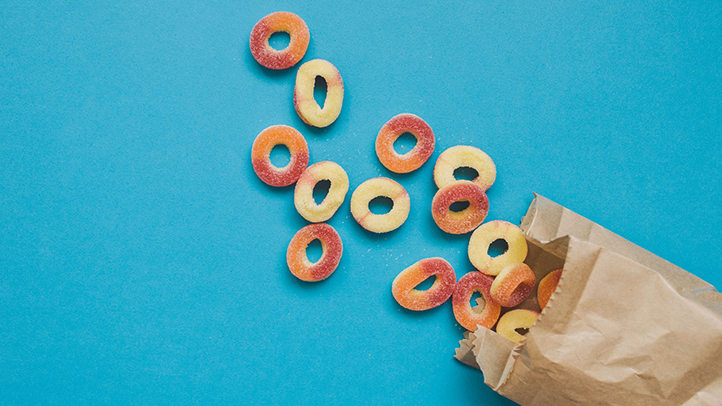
x=143 y=262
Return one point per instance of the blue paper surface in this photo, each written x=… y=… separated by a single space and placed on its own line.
x=143 y=262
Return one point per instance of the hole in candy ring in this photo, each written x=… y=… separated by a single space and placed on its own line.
x=381 y=205
x=461 y=205
x=280 y=156
x=521 y=330
x=405 y=143
x=314 y=251
x=427 y=283
x=465 y=173
x=477 y=302
x=498 y=247
x=320 y=91
x=320 y=190
x=279 y=40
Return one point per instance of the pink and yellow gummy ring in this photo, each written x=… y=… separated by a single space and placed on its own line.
x=306 y=107
x=298 y=261
x=281 y=21
x=513 y=284
x=392 y=130
x=403 y=287
x=380 y=223
x=547 y=286
x=303 y=195
x=514 y=319
x=482 y=238
x=464 y=156
x=261 y=155
x=463 y=221
x=467 y=316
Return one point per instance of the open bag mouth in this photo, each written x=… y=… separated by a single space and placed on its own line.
x=623 y=327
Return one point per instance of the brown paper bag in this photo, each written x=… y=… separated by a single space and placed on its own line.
x=624 y=327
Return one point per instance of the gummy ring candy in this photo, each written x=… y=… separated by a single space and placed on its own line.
x=517 y=318
x=380 y=223
x=463 y=221
x=303 y=195
x=482 y=238
x=404 y=285
x=261 y=155
x=306 y=107
x=298 y=261
x=464 y=156
x=513 y=284
x=413 y=159
x=466 y=316
x=547 y=286
x=281 y=21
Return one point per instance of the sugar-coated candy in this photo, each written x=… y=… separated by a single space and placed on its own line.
x=470 y=317
x=465 y=220
x=392 y=130
x=376 y=187
x=513 y=284
x=306 y=107
x=403 y=287
x=547 y=286
x=464 y=156
x=516 y=319
x=261 y=155
x=281 y=21
x=298 y=261
x=482 y=238
x=303 y=195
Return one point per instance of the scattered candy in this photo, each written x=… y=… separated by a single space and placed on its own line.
x=298 y=261
x=306 y=107
x=482 y=238
x=547 y=286
x=466 y=316
x=281 y=21
x=513 y=320
x=462 y=156
x=465 y=220
x=513 y=284
x=403 y=287
x=380 y=223
x=413 y=159
x=261 y=155
x=303 y=195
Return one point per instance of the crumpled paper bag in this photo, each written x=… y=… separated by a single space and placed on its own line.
x=624 y=326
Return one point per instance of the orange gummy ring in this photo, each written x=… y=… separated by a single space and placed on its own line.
x=513 y=284
x=281 y=21
x=261 y=155
x=463 y=221
x=298 y=261
x=413 y=159
x=547 y=286
x=466 y=316
x=403 y=287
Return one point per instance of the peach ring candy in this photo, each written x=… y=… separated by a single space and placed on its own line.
x=464 y=156
x=306 y=107
x=470 y=317
x=298 y=261
x=371 y=189
x=513 y=284
x=261 y=155
x=547 y=286
x=405 y=283
x=463 y=221
x=281 y=21
x=303 y=195
x=482 y=238
x=392 y=130
x=513 y=320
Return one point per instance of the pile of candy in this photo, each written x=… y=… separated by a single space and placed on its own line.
x=502 y=281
